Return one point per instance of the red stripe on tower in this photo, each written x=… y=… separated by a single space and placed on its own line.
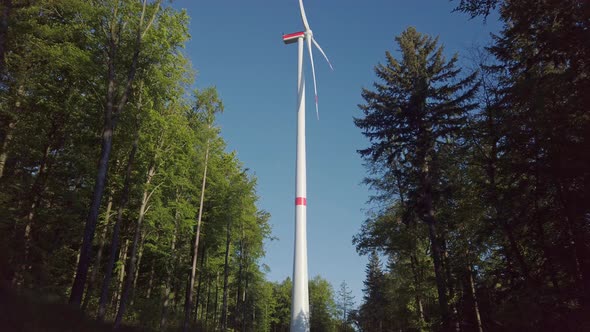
x=301 y=201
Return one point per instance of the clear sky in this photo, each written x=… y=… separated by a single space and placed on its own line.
x=237 y=47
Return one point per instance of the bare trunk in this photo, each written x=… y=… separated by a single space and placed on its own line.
x=5 y=144
x=139 y=256
x=476 y=312
x=150 y=281
x=449 y=281
x=205 y=312
x=239 y=308
x=418 y=287
x=216 y=300
x=101 y=243
x=132 y=262
x=104 y=294
x=226 y=277
x=4 y=18
x=123 y=260
x=169 y=272
x=191 y=283
x=199 y=285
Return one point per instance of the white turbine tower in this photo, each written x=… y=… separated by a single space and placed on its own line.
x=300 y=295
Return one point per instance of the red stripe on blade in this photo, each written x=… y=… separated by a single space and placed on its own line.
x=301 y=201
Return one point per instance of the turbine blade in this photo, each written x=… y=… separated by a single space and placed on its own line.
x=303 y=17
x=315 y=88
x=324 y=54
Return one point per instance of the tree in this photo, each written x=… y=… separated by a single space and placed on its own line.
x=322 y=307
x=208 y=103
x=345 y=304
x=420 y=106
x=117 y=94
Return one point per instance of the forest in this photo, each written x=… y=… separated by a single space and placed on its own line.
x=121 y=207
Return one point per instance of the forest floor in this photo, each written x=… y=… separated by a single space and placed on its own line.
x=33 y=313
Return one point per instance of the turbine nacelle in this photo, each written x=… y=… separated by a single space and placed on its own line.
x=290 y=38
x=308 y=35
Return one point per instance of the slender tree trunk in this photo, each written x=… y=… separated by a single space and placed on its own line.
x=113 y=107
x=199 y=284
x=5 y=143
x=476 y=312
x=226 y=277
x=244 y=307
x=4 y=18
x=239 y=308
x=449 y=281
x=104 y=294
x=35 y=194
x=123 y=260
x=137 y=269
x=576 y=234
x=101 y=243
x=439 y=275
x=216 y=310
x=417 y=285
x=205 y=312
x=150 y=281
x=191 y=283
x=132 y=261
x=170 y=271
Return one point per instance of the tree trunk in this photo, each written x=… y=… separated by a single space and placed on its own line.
x=205 y=312
x=116 y=230
x=436 y=251
x=123 y=260
x=417 y=285
x=226 y=277
x=199 y=284
x=4 y=19
x=244 y=307
x=113 y=107
x=449 y=281
x=101 y=243
x=216 y=307
x=132 y=261
x=196 y=247
x=100 y=182
x=169 y=271
x=476 y=312
x=150 y=281
x=239 y=313
x=5 y=144
x=35 y=195
x=139 y=256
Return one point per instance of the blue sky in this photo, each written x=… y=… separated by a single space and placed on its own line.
x=237 y=47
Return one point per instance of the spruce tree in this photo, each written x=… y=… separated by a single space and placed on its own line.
x=419 y=105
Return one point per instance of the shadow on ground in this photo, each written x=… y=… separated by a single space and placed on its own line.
x=20 y=312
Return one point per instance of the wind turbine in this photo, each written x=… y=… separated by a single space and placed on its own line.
x=300 y=295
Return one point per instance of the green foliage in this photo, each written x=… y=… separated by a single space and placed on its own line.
x=52 y=97
x=499 y=186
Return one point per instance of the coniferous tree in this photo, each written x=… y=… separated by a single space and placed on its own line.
x=419 y=105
